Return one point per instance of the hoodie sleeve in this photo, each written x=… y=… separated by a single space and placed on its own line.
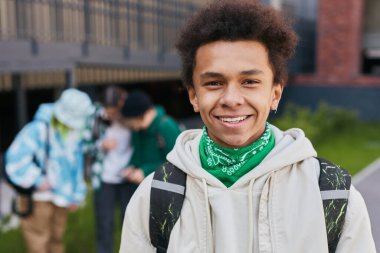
x=135 y=233
x=356 y=235
x=80 y=185
x=20 y=157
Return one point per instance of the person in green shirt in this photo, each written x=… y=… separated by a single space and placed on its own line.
x=154 y=135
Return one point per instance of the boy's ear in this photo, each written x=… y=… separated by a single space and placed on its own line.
x=277 y=92
x=193 y=98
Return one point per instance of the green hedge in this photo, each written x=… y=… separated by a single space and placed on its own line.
x=336 y=134
x=318 y=124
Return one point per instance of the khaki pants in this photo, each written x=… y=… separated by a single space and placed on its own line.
x=43 y=230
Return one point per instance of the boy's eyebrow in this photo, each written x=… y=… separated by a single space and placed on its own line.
x=211 y=74
x=244 y=72
x=251 y=72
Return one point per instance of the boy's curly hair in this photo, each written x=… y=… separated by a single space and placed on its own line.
x=238 y=20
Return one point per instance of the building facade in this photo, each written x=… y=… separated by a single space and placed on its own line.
x=347 y=62
x=46 y=46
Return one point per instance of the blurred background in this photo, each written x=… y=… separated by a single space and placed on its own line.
x=333 y=92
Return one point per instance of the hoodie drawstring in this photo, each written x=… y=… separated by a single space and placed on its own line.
x=264 y=241
x=207 y=206
x=250 y=215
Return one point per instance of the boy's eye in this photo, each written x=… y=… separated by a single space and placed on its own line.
x=214 y=83
x=250 y=82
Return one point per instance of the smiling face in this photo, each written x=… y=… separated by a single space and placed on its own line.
x=234 y=91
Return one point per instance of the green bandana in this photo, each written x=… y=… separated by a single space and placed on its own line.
x=230 y=164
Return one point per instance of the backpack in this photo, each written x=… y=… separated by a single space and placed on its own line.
x=168 y=193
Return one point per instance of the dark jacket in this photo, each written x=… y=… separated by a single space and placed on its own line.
x=153 y=144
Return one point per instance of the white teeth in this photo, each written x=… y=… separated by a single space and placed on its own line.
x=233 y=120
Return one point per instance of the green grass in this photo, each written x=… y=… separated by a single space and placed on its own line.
x=79 y=236
x=353 y=148
x=12 y=241
x=80 y=230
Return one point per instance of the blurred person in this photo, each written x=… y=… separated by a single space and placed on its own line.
x=110 y=149
x=154 y=135
x=241 y=184
x=47 y=155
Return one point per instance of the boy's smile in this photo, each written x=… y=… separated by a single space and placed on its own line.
x=234 y=91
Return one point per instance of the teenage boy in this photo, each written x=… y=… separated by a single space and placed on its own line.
x=250 y=187
x=154 y=134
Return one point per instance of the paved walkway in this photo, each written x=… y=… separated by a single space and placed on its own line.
x=367 y=182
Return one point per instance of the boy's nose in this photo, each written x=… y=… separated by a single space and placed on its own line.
x=232 y=96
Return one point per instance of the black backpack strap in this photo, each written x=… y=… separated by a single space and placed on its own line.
x=166 y=198
x=334 y=184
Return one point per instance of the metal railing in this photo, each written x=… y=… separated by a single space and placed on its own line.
x=132 y=24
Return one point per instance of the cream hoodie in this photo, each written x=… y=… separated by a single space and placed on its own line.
x=275 y=208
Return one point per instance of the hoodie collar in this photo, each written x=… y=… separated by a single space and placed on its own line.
x=44 y=112
x=291 y=147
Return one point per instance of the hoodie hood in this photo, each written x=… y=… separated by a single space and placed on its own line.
x=291 y=147
x=44 y=113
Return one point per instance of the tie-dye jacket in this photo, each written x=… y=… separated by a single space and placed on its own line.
x=25 y=160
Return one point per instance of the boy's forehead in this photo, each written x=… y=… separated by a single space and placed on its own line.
x=232 y=46
x=220 y=52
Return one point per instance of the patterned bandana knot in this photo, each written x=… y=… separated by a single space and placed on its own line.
x=229 y=164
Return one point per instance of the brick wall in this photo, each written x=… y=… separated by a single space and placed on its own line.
x=339 y=40
x=339 y=46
